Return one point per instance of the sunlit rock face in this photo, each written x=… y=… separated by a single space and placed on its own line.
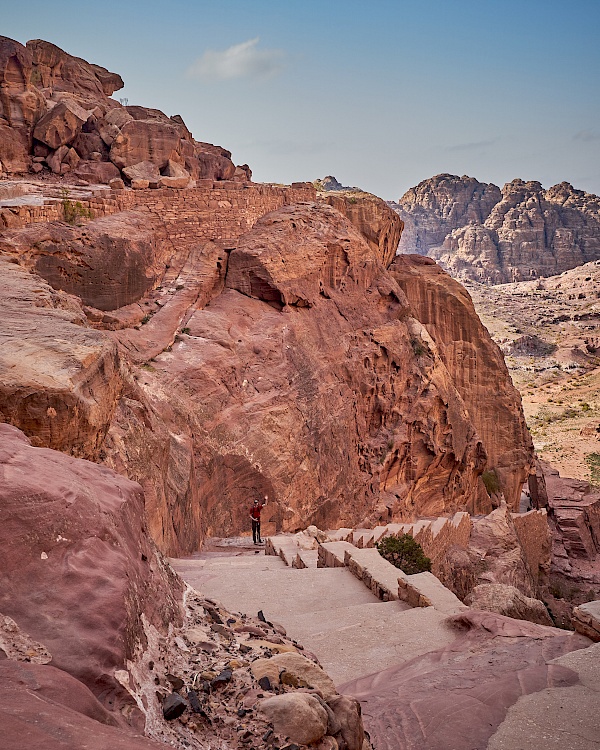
x=480 y=233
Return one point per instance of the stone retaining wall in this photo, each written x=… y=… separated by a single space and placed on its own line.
x=437 y=537
x=536 y=541
x=217 y=210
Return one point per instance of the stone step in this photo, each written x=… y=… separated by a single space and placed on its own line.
x=362 y=639
x=328 y=610
x=281 y=592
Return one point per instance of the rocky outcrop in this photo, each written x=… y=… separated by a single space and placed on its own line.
x=379 y=226
x=477 y=367
x=437 y=206
x=79 y=573
x=58 y=108
x=508 y=601
x=574 y=511
x=270 y=410
x=59 y=380
x=493 y=661
x=480 y=234
x=241 y=390
x=108 y=263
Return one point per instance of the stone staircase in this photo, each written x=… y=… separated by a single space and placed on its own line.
x=350 y=607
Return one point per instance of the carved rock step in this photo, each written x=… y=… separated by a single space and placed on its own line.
x=328 y=610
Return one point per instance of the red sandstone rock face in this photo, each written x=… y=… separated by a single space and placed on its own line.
x=302 y=372
x=272 y=411
x=574 y=510
x=59 y=381
x=61 y=72
x=21 y=105
x=477 y=678
x=108 y=263
x=45 y=707
x=380 y=227
x=77 y=567
x=477 y=368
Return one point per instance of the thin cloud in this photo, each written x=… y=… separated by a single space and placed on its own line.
x=243 y=60
x=586 y=136
x=472 y=146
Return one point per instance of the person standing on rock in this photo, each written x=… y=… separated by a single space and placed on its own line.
x=255 y=516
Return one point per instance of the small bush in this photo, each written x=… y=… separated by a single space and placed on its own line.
x=185 y=330
x=418 y=347
x=593 y=462
x=73 y=211
x=491 y=482
x=404 y=553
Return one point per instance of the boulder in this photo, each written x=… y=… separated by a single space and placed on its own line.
x=508 y=601
x=61 y=124
x=14 y=151
x=144 y=170
x=210 y=165
x=140 y=184
x=298 y=716
x=118 y=117
x=54 y=160
x=96 y=172
x=72 y=158
x=78 y=573
x=296 y=670
x=348 y=715
x=586 y=620
x=174 y=175
x=87 y=143
x=145 y=141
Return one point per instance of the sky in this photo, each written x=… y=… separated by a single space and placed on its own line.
x=380 y=94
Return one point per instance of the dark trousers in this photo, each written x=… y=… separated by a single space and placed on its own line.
x=255 y=531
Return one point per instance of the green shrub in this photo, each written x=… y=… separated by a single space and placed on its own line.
x=491 y=482
x=73 y=211
x=593 y=462
x=404 y=553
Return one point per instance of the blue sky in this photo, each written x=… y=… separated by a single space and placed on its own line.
x=381 y=94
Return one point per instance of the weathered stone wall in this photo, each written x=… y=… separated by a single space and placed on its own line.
x=436 y=538
x=223 y=210
x=534 y=536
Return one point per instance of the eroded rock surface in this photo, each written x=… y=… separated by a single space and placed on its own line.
x=476 y=365
x=79 y=572
x=56 y=113
x=480 y=234
x=269 y=407
x=493 y=662
x=59 y=380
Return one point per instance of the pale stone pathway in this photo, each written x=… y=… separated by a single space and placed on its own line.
x=328 y=610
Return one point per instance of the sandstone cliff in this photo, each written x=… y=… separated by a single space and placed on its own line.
x=231 y=340
x=287 y=363
x=479 y=233
x=476 y=365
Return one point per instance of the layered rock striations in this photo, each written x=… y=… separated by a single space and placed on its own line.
x=481 y=234
x=287 y=363
x=476 y=365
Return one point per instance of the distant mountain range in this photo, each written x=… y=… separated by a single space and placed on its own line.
x=479 y=232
